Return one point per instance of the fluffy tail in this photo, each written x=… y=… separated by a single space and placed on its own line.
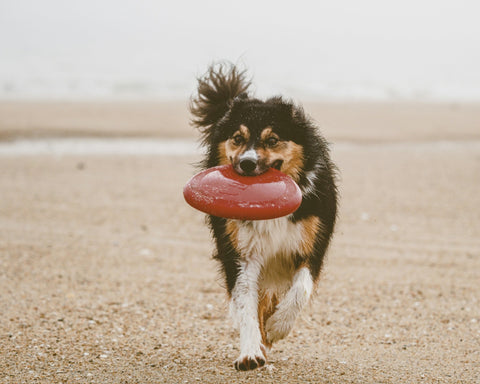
x=216 y=90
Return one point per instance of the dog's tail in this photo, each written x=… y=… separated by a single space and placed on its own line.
x=216 y=91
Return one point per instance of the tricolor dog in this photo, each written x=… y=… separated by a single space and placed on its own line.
x=270 y=267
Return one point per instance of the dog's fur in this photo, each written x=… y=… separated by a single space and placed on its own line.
x=270 y=267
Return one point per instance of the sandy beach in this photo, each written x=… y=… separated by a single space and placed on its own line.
x=106 y=273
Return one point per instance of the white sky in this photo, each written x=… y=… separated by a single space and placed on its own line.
x=340 y=49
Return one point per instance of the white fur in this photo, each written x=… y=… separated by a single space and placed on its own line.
x=271 y=243
x=310 y=179
x=309 y=186
x=244 y=310
x=251 y=154
x=263 y=239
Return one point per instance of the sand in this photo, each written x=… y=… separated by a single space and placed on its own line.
x=106 y=275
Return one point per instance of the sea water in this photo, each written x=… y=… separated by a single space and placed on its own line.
x=354 y=50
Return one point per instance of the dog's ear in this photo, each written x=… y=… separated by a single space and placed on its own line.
x=217 y=90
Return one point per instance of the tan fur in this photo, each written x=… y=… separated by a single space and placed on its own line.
x=311 y=226
x=244 y=131
x=267 y=133
x=232 y=151
x=222 y=154
x=288 y=151
x=293 y=160
x=266 y=308
x=291 y=154
x=227 y=150
x=232 y=232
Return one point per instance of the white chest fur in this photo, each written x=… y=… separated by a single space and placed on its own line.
x=263 y=239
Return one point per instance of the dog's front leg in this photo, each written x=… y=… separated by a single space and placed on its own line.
x=244 y=310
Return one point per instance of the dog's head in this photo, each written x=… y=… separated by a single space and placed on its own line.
x=255 y=135
x=251 y=134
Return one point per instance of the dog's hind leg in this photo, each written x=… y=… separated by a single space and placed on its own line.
x=280 y=324
x=244 y=310
x=266 y=307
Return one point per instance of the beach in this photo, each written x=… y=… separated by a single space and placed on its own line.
x=106 y=273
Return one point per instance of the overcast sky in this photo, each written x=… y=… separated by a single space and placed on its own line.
x=372 y=49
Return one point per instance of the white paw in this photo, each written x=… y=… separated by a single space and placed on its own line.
x=278 y=326
x=247 y=362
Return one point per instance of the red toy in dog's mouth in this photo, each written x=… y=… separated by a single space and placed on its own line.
x=222 y=192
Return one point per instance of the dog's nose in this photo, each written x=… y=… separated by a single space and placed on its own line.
x=248 y=164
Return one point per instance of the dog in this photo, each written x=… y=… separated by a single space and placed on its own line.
x=270 y=267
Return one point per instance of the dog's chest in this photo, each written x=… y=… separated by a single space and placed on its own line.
x=263 y=239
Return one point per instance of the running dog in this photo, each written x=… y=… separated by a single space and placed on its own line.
x=270 y=267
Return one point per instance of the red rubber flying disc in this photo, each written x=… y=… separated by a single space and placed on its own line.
x=220 y=191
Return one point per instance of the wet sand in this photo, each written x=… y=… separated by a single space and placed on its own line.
x=359 y=122
x=106 y=276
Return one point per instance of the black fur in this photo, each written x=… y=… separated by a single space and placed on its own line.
x=216 y=92
x=222 y=104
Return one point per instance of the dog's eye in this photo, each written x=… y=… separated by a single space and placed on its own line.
x=271 y=141
x=238 y=139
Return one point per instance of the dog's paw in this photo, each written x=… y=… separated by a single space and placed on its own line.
x=251 y=361
x=278 y=327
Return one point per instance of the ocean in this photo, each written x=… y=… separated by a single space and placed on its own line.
x=346 y=50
